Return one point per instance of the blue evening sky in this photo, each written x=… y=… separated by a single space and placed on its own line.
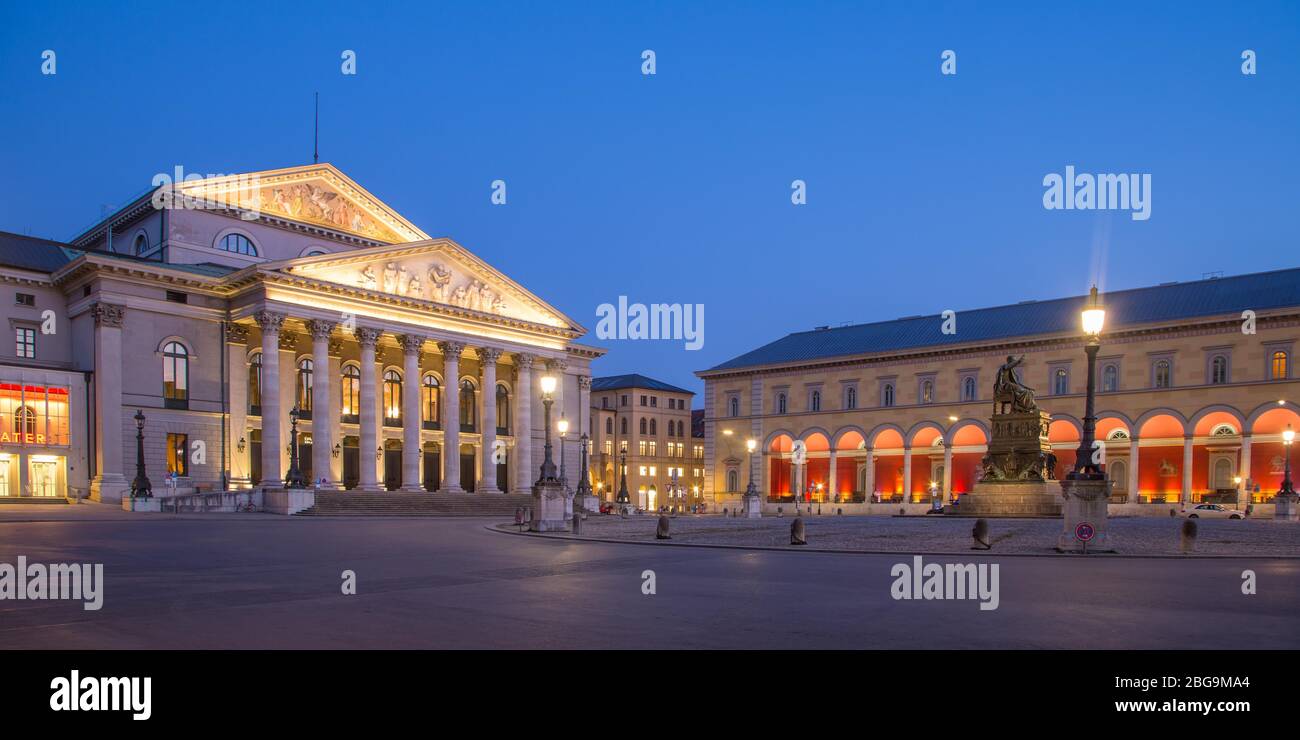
x=924 y=190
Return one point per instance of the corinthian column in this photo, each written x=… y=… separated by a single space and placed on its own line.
x=322 y=431
x=368 y=480
x=487 y=360
x=451 y=429
x=411 y=452
x=523 y=431
x=237 y=373
x=272 y=438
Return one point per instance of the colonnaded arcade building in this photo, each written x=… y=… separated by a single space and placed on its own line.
x=1196 y=383
x=217 y=307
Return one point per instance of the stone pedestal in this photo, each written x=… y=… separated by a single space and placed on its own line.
x=152 y=504
x=1085 y=501
x=753 y=507
x=549 y=507
x=1015 y=472
x=588 y=502
x=287 y=501
x=1287 y=507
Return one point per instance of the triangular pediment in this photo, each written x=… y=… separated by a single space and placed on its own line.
x=319 y=195
x=439 y=271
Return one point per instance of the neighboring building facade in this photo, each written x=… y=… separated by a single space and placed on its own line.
x=409 y=359
x=652 y=421
x=1193 y=394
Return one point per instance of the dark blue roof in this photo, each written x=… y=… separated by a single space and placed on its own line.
x=633 y=380
x=33 y=253
x=1160 y=303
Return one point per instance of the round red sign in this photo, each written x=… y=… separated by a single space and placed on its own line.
x=1084 y=531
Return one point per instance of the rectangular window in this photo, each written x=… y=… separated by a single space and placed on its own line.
x=640 y=446
x=653 y=448
x=609 y=447
x=26 y=340
x=641 y=470
x=177 y=459
x=699 y=452
x=177 y=297
x=25 y=299
x=624 y=399
x=654 y=402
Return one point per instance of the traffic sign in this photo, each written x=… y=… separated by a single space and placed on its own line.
x=1084 y=531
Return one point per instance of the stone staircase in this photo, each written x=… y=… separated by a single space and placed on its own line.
x=398 y=503
x=22 y=500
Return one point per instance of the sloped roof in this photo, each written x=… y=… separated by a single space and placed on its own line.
x=1124 y=308
x=32 y=253
x=633 y=380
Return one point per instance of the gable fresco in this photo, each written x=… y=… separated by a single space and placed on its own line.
x=319 y=196
x=435 y=276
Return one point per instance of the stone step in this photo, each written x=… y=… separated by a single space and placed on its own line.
x=54 y=500
x=401 y=503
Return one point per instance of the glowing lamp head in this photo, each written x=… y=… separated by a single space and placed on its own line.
x=751 y=444
x=1094 y=314
x=562 y=425
x=548 y=384
x=1289 y=435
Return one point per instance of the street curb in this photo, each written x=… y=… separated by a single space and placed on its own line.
x=982 y=553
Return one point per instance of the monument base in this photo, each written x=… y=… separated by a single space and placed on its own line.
x=1011 y=499
x=1085 y=503
x=549 y=504
x=589 y=503
x=753 y=507
x=1286 y=506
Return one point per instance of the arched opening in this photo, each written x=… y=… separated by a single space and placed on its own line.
x=1160 y=459
x=780 y=483
x=887 y=481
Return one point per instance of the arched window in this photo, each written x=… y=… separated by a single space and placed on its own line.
x=815 y=401
x=927 y=392
x=851 y=398
x=642 y=425
x=392 y=395
x=1110 y=378
x=733 y=480
x=654 y=428
x=1162 y=373
x=141 y=244
x=25 y=420
x=1278 y=366
x=468 y=408
x=780 y=403
x=733 y=407
x=176 y=375
x=1219 y=370
x=1060 y=382
x=239 y=244
x=351 y=391
x=503 y=409
x=887 y=395
x=968 y=389
x=429 y=399
x=255 y=384
x=623 y=426
x=609 y=426
x=305 y=366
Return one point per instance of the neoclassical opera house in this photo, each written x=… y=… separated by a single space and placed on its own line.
x=1196 y=384
x=225 y=309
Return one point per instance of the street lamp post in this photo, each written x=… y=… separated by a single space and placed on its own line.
x=1084 y=491
x=293 y=478
x=753 y=506
x=562 y=426
x=140 y=486
x=623 y=500
x=1094 y=317
x=548 y=464
x=1288 y=440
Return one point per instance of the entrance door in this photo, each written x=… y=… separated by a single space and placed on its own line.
x=304 y=459
x=45 y=478
x=351 y=462
x=467 y=467
x=1223 y=473
x=432 y=467
x=392 y=468
x=6 y=485
x=503 y=476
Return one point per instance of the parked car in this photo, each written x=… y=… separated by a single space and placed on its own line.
x=1214 y=511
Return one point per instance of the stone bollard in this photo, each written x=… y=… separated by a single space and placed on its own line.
x=519 y=517
x=797 y=534
x=980 y=533
x=780 y=512
x=661 y=532
x=1187 y=538
x=725 y=514
x=1173 y=513
x=839 y=511
x=577 y=523
x=902 y=511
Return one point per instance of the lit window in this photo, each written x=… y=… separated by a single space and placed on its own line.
x=1278 y=366
x=468 y=410
x=653 y=448
x=239 y=244
x=351 y=391
x=503 y=408
x=177 y=460
x=927 y=392
x=392 y=395
x=429 y=398
x=255 y=384
x=609 y=447
x=640 y=448
x=304 y=385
